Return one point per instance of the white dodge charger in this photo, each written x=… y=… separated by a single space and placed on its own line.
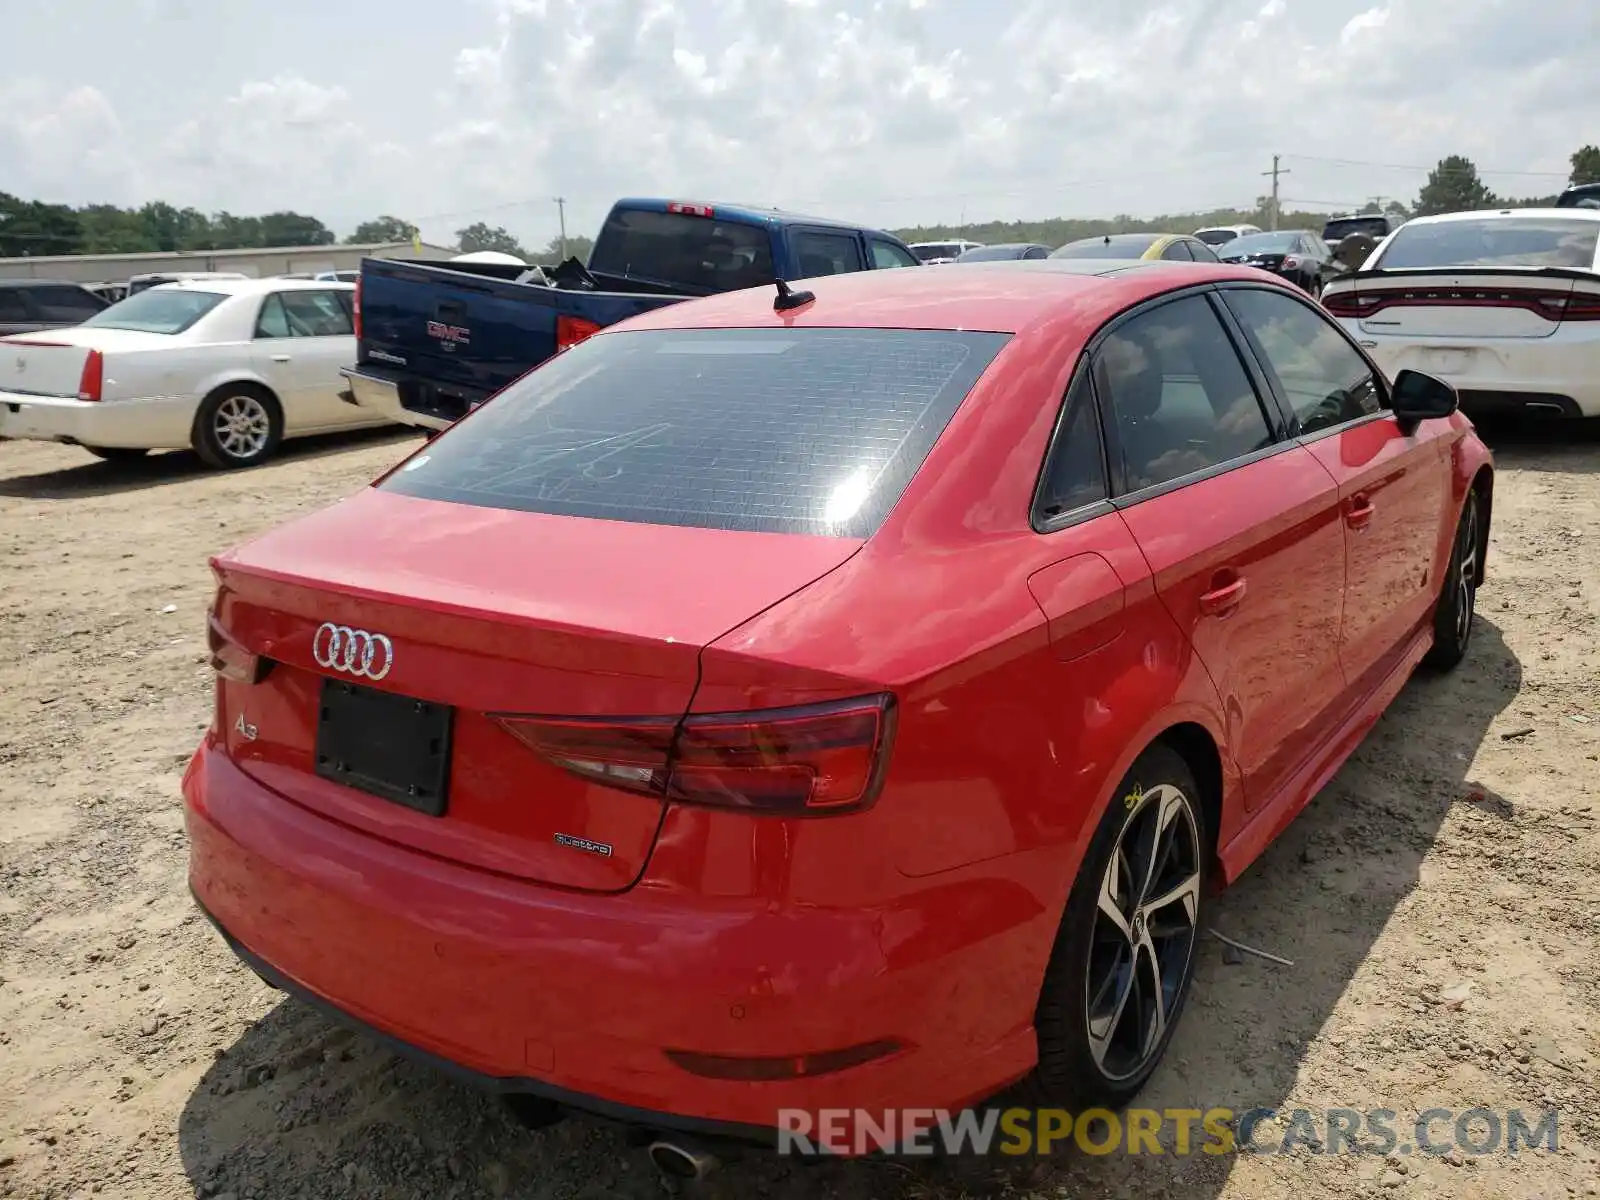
x=229 y=367
x=1505 y=305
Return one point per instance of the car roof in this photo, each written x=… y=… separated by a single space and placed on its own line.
x=1502 y=214
x=253 y=287
x=1004 y=296
x=747 y=213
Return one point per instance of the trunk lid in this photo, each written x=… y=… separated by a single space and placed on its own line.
x=491 y=611
x=50 y=362
x=1466 y=303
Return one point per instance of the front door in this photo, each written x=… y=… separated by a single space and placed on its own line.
x=1240 y=528
x=1393 y=485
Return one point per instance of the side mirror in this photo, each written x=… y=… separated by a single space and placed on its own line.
x=1418 y=397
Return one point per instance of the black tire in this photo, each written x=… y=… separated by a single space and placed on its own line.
x=1458 y=591
x=238 y=425
x=1086 y=1061
x=118 y=454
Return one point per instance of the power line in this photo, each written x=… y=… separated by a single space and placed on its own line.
x=1357 y=162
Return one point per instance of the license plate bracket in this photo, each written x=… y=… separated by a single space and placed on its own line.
x=386 y=745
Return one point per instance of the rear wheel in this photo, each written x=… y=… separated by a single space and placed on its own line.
x=1125 y=955
x=117 y=454
x=237 y=426
x=1458 y=595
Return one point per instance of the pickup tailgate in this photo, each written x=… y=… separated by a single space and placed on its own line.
x=469 y=332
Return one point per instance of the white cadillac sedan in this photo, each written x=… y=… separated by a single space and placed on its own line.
x=229 y=367
x=1504 y=305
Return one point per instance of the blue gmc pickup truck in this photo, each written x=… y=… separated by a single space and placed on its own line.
x=434 y=340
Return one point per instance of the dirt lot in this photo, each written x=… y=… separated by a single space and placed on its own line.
x=1440 y=901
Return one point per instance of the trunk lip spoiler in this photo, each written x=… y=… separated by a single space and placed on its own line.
x=1575 y=274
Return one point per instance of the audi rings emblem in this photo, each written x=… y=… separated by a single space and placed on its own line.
x=353 y=651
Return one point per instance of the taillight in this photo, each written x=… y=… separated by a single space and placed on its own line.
x=1344 y=304
x=91 y=383
x=690 y=210
x=1552 y=306
x=572 y=330
x=819 y=758
x=355 y=308
x=229 y=659
x=1579 y=306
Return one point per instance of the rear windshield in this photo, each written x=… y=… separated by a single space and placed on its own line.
x=1345 y=226
x=158 y=310
x=1494 y=242
x=1119 y=246
x=1262 y=243
x=1216 y=237
x=701 y=254
x=936 y=250
x=781 y=431
x=992 y=253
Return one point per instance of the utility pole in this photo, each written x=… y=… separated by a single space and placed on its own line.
x=1272 y=216
x=561 y=209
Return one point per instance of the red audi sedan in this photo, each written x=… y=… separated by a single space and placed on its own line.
x=843 y=699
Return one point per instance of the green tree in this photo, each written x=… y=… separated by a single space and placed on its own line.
x=578 y=247
x=1586 y=165
x=236 y=233
x=108 y=229
x=479 y=236
x=382 y=229
x=30 y=227
x=1395 y=209
x=294 y=229
x=1454 y=186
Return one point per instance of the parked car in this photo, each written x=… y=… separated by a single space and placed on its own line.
x=934 y=254
x=1221 y=235
x=1298 y=255
x=337 y=276
x=644 y=741
x=1376 y=226
x=1505 y=305
x=1580 y=195
x=229 y=367
x=29 y=305
x=139 y=283
x=1005 y=251
x=437 y=339
x=1173 y=247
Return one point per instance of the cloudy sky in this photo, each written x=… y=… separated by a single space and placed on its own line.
x=891 y=112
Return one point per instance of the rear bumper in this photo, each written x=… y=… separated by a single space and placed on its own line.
x=577 y=996
x=406 y=402
x=133 y=424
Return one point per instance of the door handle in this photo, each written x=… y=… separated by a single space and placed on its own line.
x=1223 y=599
x=280 y=358
x=1360 y=513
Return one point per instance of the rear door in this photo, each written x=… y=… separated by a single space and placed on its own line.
x=1394 y=485
x=1239 y=525
x=302 y=338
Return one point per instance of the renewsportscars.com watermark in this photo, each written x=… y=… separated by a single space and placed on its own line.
x=1176 y=1131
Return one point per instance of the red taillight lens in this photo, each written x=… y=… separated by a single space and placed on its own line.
x=91 y=383
x=1343 y=304
x=1579 y=306
x=229 y=659
x=572 y=330
x=690 y=210
x=818 y=758
x=355 y=308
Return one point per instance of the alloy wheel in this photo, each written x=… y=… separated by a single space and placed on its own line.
x=242 y=426
x=1145 y=931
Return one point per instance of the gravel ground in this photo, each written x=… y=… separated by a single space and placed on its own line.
x=1440 y=902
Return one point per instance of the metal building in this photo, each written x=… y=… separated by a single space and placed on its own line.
x=257 y=263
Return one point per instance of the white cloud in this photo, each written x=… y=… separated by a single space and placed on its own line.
x=890 y=112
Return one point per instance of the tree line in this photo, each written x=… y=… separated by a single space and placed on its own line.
x=33 y=227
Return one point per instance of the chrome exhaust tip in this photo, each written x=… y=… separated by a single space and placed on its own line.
x=681 y=1160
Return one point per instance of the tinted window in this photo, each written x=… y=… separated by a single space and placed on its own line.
x=698 y=253
x=1177 y=252
x=927 y=250
x=825 y=253
x=887 y=254
x=315 y=314
x=1000 y=253
x=158 y=310
x=801 y=430
x=1182 y=399
x=1495 y=241
x=14 y=306
x=1326 y=382
x=1216 y=237
x=1036 y=252
x=1343 y=227
x=1122 y=245
x=1074 y=470
x=65 y=304
x=1202 y=252
x=1261 y=243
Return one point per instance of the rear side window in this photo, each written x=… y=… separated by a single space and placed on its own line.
x=1074 y=470
x=887 y=254
x=1182 y=399
x=784 y=431
x=1177 y=252
x=701 y=254
x=820 y=253
x=1490 y=242
x=65 y=304
x=14 y=306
